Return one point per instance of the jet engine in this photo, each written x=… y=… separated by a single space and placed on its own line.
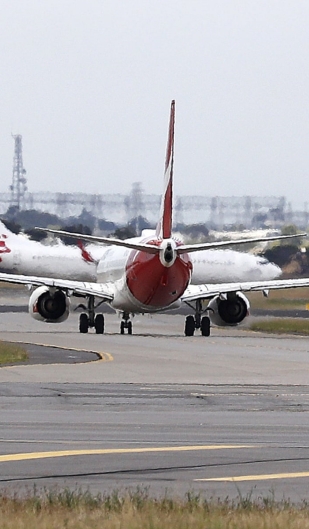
x=49 y=305
x=230 y=309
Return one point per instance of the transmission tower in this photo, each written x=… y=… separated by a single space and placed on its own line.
x=19 y=182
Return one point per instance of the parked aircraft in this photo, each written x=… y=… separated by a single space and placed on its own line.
x=20 y=255
x=216 y=266
x=148 y=274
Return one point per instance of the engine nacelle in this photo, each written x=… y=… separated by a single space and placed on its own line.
x=230 y=311
x=49 y=306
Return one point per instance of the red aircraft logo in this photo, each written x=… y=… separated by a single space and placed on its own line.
x=3 y=246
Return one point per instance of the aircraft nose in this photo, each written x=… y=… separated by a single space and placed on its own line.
x=268 y=270
x=273 y=271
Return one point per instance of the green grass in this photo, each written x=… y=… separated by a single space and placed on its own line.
x=282 y=326
x=296 y=298
x=137 y=510
x=11 y=353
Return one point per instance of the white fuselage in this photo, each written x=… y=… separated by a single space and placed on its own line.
x=112 y=264
x=229 y=266
x=19 y=255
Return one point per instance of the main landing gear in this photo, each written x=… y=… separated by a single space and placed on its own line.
x=197 y=321
x=89 y=319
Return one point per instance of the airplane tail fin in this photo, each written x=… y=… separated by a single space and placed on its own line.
x=164 y=227
x=86 y=255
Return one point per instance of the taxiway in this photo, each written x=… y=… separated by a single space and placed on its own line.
x=220 y=415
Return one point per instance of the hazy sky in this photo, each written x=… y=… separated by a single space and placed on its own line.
x=88 y=84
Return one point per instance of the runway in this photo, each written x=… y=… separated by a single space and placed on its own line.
x=218 y=415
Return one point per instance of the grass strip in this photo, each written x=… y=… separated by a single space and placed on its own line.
x=11 y=353
x=296 y=298
x=282 y=326
x=137 y=510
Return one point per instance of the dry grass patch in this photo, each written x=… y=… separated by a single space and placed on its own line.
x=136 y=510
x=293 y=298
x=11 y=353
x=282 y=326
x=11 y=286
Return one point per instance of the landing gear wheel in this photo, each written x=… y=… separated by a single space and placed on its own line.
x=83 y=323
x=205 y=326
x=125 y=323
x=189 y=326
x=99 y=324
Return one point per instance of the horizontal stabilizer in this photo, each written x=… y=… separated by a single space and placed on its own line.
x=148 y=248
x=188 y=248
x=152 y=249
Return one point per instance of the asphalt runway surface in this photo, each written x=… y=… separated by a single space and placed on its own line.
x=221 y=415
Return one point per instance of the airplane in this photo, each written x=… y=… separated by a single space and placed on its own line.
x=214 y=266
x=226 y=266
x=147 y=275
x=20 y=255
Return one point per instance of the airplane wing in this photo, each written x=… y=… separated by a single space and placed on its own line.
x=192 y=293
x=195 y=292
x=101 y=290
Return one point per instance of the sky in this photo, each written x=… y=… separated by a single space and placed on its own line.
x=88 y=85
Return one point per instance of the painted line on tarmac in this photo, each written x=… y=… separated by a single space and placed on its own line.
x=258 y=477
x=105 y=451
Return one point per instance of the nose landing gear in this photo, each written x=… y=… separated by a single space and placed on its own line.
x=126 y=323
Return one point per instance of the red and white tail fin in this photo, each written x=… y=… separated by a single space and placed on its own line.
x=85 y=254
x=164 y=227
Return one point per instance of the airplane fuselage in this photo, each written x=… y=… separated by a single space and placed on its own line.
x=230 y=266
x=19 y=255
x=142 y=282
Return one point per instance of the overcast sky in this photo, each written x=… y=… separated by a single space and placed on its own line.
x=88 y=84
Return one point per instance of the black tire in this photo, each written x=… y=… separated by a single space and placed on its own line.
x=83 y=323
x=122 y=327
x=99 y=324
x=189 y=326
x=205 y=326
x=129 y=327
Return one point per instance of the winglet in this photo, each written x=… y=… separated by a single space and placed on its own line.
x=164 y=227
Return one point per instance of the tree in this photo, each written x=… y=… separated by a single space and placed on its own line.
x=75 y=228
x=126 y=232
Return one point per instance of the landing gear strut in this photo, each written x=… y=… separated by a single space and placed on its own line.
x=126 y=323
x=197 y=321
x=89 y=319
